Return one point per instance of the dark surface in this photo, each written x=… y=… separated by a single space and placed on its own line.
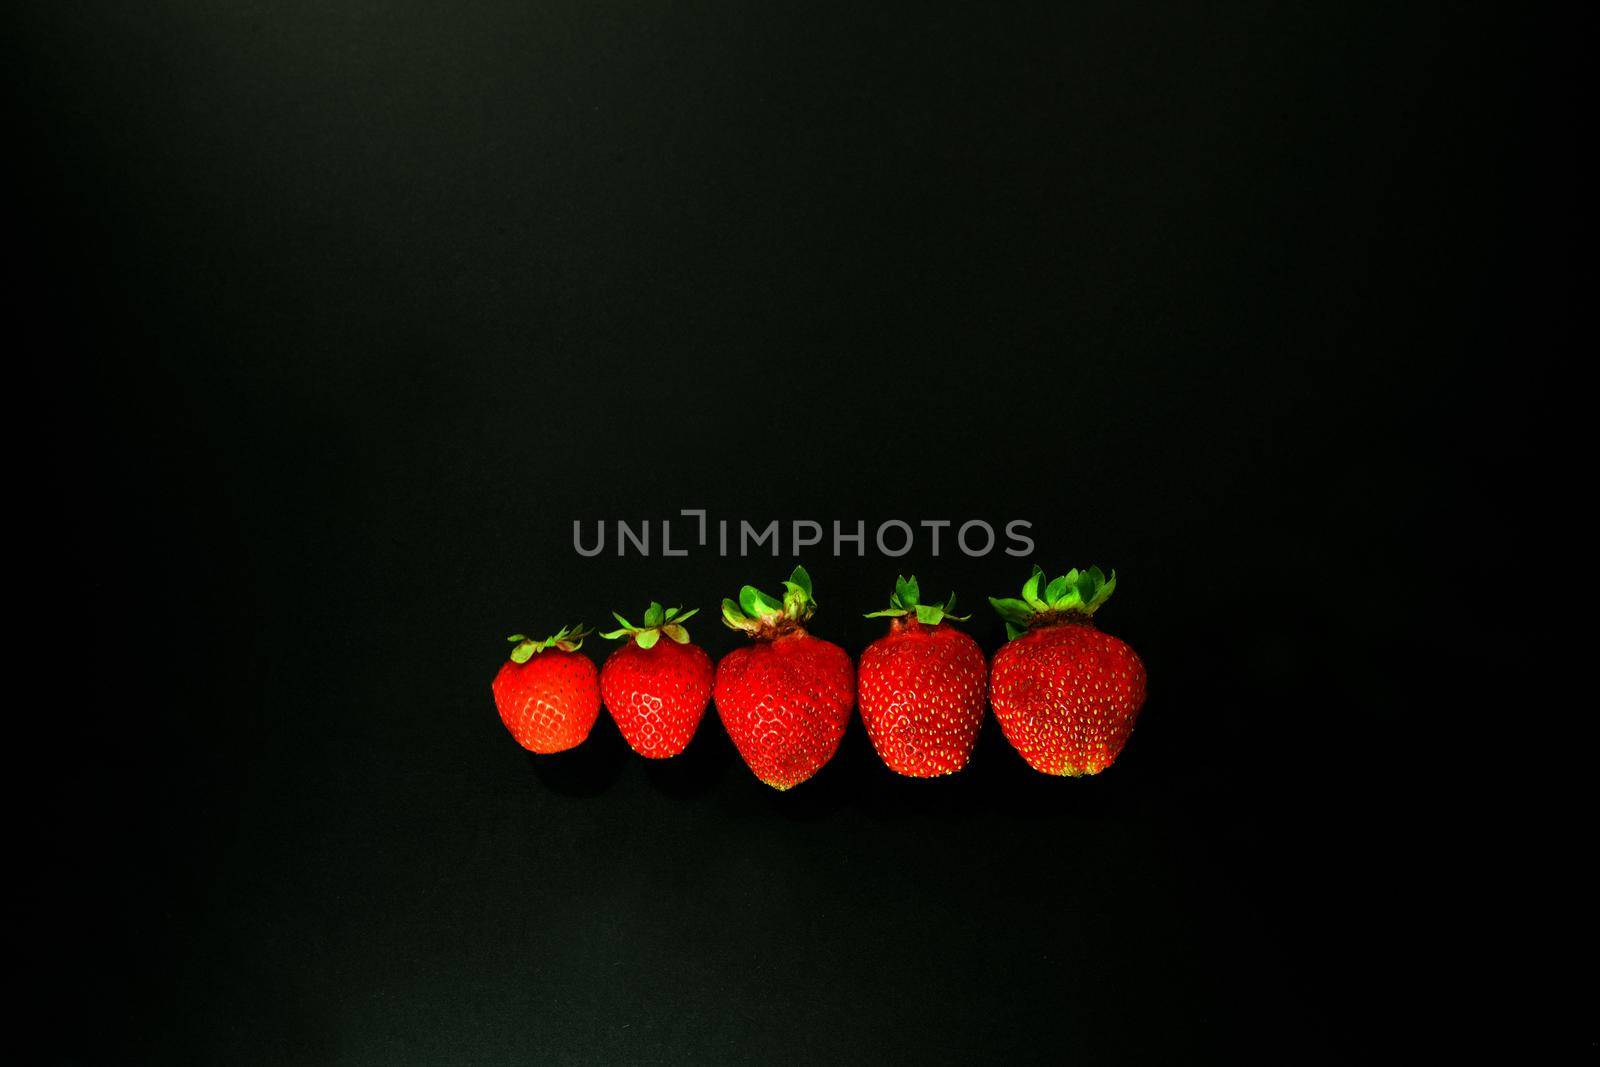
x=366 y=303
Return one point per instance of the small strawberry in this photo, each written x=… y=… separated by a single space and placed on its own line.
x=656 y=690
x=1066 y=694
x=786 y=699
x=547 y=693
x=921 y=687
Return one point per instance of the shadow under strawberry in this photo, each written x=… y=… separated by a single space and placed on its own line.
x=889 y=797
x=587 y=770
x=699 y=768
x=837 y=785
x=1002 y=782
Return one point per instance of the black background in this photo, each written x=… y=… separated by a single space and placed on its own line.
x=361 y=305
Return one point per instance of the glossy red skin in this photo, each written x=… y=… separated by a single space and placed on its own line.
x=921 y=692
x=1067 y=696
x=657 y=695
x=786 y=704
x=549 y=703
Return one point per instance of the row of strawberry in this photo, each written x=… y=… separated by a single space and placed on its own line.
x=1065 y=693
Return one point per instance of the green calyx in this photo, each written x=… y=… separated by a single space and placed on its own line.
x=658 y=621
x=567 y=639
x=765 y=616
x=1074 y=594
x=907 y=600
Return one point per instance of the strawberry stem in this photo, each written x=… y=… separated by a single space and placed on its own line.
x=766 y=617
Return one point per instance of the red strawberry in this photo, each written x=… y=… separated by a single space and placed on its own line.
x=547 y=693
x=921 y=687
x=656 y=690
x=786 y=699
x=1066 y=694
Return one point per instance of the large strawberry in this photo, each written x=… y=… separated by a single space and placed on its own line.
x=1065 y=693
x=656 y=690
x=921 y=687
x=548 y=693
x=786 y=699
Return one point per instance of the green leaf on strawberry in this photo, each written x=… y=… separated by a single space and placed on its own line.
x=567 y=639
x=1076 y=594
x=765 y=616
x=1030 y=588
x=801 y=578
x=657 y=621
x=907 y=600
x=1013 y=610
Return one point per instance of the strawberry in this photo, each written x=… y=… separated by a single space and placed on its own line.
x=786 y=699
x=547 y=692
x=921 y=687
x=1065 y=693
x=656 y=690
